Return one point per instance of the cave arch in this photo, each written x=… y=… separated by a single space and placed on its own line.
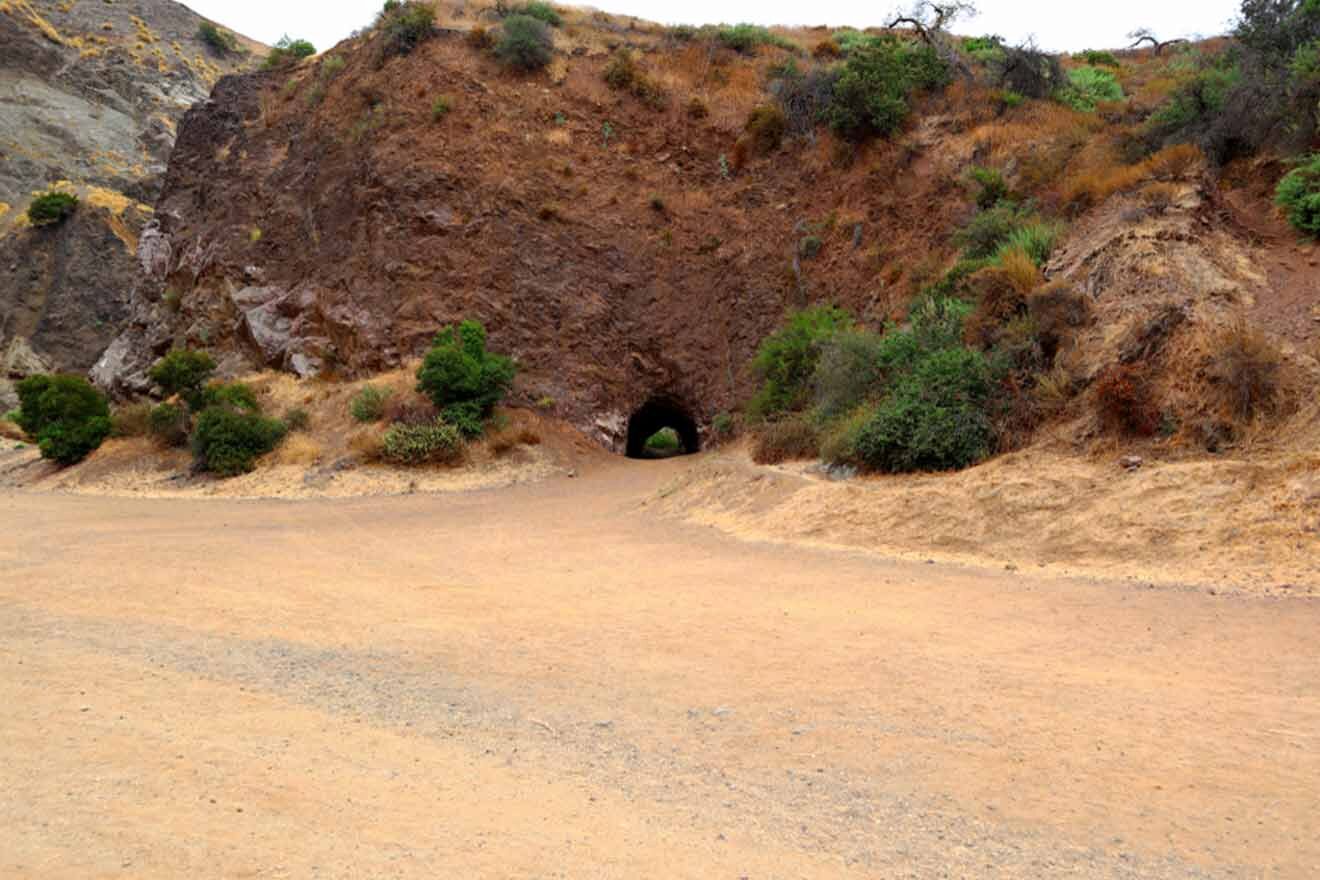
x=654 y=416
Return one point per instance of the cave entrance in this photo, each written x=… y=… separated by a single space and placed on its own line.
x=662 y=429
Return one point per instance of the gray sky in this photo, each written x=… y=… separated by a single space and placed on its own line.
x=1063 y=25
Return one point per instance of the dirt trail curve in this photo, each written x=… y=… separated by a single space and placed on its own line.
x=547 y=681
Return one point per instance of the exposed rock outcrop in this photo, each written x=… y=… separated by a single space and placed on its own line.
x=90 y=95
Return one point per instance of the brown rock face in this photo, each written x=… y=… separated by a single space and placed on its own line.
x=89 y=97
x=324 y=221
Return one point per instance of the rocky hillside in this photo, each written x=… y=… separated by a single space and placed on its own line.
x=626 y=229
x=90 y=97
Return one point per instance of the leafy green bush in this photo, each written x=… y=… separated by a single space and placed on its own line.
x=872 y=91
x=51 y=208
x=228 y=441
x=405 y=26
x=992 y=188
x=169 y=424
x=288 y=51
x=1100 y=58
x=934 y=419
x=66 y=415
x=234 y=395
x=368 y=405
x=524 y=43
x=1089 y=87
x=853 y=364
x=1037 y=239
x=440 y=107
x=462 y=379
x=1298 y=195
x=538 y=10
x=184 y=372
x=217 y=39
x=437 y=442
x=937 y=324
x=745 y=38
x=786 y=359
x=987 y=232
x=664 y=442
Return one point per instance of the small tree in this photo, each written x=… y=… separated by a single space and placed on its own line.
x=66 y=415
x=184 y=372
x=217 y=39
x=405 y=26
x=462 y=379
x=524 y=43
x=289 y=51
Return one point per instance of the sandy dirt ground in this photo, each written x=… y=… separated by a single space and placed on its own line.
x=557 y=679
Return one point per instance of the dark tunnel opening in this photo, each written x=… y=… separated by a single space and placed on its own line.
x=648 y=437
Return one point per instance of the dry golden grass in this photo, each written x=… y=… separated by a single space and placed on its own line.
x=1175 y=162
x=1159 y=197
x=10 y=431
x=1245 y=369
x=298 y=449
x=1020 y=270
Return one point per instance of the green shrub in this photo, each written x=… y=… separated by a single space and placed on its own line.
x=288 y=51
x=1036 y=239
x=852 y=366
x=849 y=40
x=664 y=442
x=462 y=379
x=745 y=38
x=872 y=91
x=723 y=425
x=184 y=372
x=537 y=10
x=440 y=107
x=786 y=360
x=405 y=26
x=66 y=415
x=437 y=442
x=838 y=442
x=1298 y=195
x=524 y=43
x=228 y=441
x=1100 y=58
x=169 y=425
x=217 y=39
x=992 y=188
x=935 y=418
x=52 y=208
x=937 y=324
x=1089 y=87
x=987 y=232
x=368 y=405
x=234 y=395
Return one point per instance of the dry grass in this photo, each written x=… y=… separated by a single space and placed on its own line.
x=1020 y=270
x=10 y=431
x=1244 y=368
x=298 y=449
x=791 y=439
x=1160 y=197
x=1176 y=162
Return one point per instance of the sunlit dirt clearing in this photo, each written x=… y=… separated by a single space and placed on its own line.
x=551 y=681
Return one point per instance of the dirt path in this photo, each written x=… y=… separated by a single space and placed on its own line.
x=549 y=681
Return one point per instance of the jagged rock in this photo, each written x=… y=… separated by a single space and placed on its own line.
x=82 y=104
